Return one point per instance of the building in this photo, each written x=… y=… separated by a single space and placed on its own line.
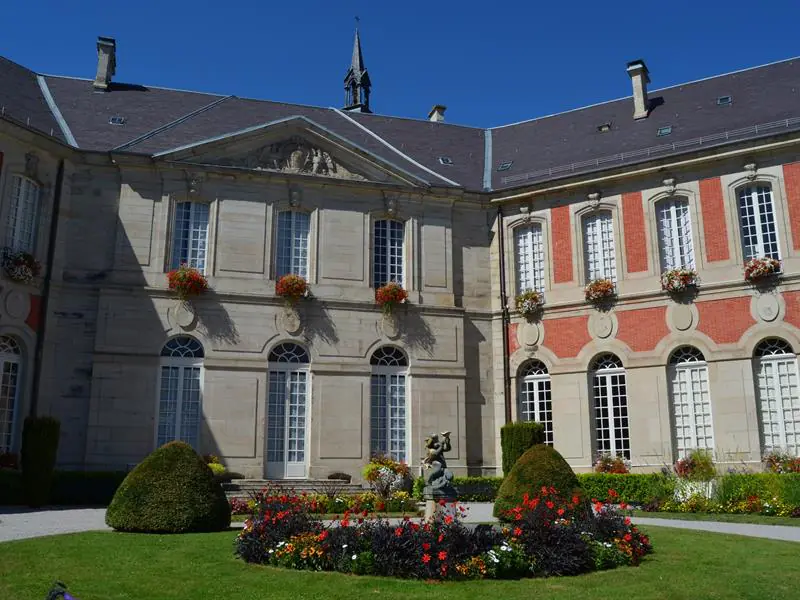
x=110 y=185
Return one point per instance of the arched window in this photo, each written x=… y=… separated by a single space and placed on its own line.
x=387 y=253
x=675 y=234
x=23 y=209
x=757 y=219
x=291 y=252
x=610 y=397
x=388 y=413
x=10 y=359
x=778 y=396
x=190 y=235
x=287 y=411
x=181 y=391
x=534 y=397
x=691 y=401
x=599 y=253
x=530 y=258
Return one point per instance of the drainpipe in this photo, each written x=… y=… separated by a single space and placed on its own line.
x=48 y=277
x=505 y=319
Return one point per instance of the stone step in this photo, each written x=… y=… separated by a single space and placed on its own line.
x=242 y=488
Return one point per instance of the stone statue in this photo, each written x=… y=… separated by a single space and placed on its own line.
x=438 y=479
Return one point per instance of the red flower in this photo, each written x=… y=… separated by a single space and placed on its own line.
x=323 y=535
x=390 y=295
x=426 y=558
x=627 y=537
x=550 y=504
x=627 y=520
x=442 y=502
x=415 y=526
x=345 y=523
x=544 y=489
x=575 y=500
x=448 y=519
x=398 y=532
x=517 y=532
x=187 y=281
x=441 y=537
x=442 y=555
x=426 y=546
x=612 y=494
x=292 y=287
x=560 y=511
x=623 y=506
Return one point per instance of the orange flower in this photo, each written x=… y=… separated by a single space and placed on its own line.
x=426 y=558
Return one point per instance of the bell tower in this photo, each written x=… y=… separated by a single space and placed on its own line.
x=356 y=82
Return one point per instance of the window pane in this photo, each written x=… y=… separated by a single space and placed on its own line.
x=530 y=258
x=387 y=260
x=22 y=209
x=8 y=399
x=675 y=234
x=691 y=404
x=598 y=247
x=191 y=235
x=535 y=403
x=779 y=400
x=612 y=431
x=388 y=415
x=276 y=416
x=190 y=407
x=292 y=244
x=168 y=404
x=757 y=218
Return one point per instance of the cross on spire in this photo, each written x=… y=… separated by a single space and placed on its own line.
x=356 y=83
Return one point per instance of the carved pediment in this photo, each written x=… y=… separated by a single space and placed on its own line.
x=293 y=155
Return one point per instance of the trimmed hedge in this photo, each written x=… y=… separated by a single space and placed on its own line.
x=516 y=439
x=632 y=488
x=38 y=458
x=469 y=489
x=170 y=491
x=739 y=486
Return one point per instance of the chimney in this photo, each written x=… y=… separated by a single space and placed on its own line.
x=437 y=113
x=106 y=63
x=640 y=77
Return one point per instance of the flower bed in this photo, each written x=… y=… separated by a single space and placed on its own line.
x=547 y=536
x=292 y=288
x=780 y=462
x=187 y=282
x=321 y=504
x=529 y=303
x=21 y=266
x=600 y=290
x=759 y=269
x=677 y=281
x=606 y=463
x=390 y=296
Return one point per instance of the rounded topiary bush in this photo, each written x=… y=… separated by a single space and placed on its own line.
x=540 y=466
x=170 y=491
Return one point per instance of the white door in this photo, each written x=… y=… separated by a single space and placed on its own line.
x=286 y=424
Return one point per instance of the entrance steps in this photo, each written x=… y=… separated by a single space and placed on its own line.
x=243 y=488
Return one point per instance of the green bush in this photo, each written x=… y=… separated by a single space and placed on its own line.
x=736 y=487
x=11 y=492
x=541 y=466
x=38 y=460
x=170 y=491
x=516 y=438
x=639 y=488
x=217 y=469
x=469 y=489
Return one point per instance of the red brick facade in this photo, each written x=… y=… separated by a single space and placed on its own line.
x=513 y=344
x=725 y=321
x=791 y=176
x=792 y=300
x=565 y=337
x=33 y=313
x=714 y=227
x=562 y=244
x=635 y=233
x=642 y=329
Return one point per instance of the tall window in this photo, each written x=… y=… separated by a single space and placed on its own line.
x=180 y=398
x=22 y=213
x=610 y=396
x=530 y=258
x=287 y=411
x=757 y=217
x=675 y=234
x=599 y=253
x=778 y=396
x=292 y=243
x=388 y=403
x=190 y=236
x=534 y=397
x=691 y=401
x=387 y=258
x=10 y=356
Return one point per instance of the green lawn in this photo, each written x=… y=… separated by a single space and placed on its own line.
x=724 y=518
x=115 y=566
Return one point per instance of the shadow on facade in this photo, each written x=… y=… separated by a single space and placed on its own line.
x=318 y=324
x=215 y=319
x=474 y=398
x=416 y=334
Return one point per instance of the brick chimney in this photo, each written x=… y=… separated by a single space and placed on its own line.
x=106 y=63
x=640 y=77
x=437 y=113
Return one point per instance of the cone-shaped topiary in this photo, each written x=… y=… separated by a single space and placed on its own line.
x=170 y=491
x=540 y=466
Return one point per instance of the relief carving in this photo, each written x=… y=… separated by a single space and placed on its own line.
x=294 y=155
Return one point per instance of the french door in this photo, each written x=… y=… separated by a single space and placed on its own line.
x=287 y=419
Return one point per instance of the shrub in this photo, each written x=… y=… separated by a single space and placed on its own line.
x=11 y=492
x=782 y=462
x=217 y=469
x=39 y=450
x=170 y=491
x=541 y=466
x=638 y=488
x=386 y=475
x=698 y=466
x=516 y=438
x=611 y=464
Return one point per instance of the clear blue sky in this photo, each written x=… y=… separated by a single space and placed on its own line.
x=490 y=62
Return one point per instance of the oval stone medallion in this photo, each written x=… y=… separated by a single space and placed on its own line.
x=767 y=307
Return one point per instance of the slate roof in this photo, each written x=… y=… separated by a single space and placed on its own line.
x=542 y=149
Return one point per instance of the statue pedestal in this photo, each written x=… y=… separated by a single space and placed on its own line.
x=432 y=507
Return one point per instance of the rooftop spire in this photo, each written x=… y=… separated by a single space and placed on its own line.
x=356 y=82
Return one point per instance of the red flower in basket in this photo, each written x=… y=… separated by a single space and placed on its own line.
x=599 y=290
x=757 y=269
x=187 y=281
x=390 y=295
x=291 y=288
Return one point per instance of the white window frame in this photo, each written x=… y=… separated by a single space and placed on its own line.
x=755 y=244
x=23 y=214
x=194 y=223
x=299 y=250
x=529 y=256
x=599 y=249
x=288 y=369
x=535 y=401
x=690 y=396
x=11 y=355
x=181 y=363
x=784 y=374
x=675 y=240
x=603 y=378
x=384 y=253
x=384 y=374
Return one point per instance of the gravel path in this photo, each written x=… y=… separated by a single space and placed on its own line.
x=17 y=524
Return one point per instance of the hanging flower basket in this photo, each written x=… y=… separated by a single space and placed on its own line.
x=758 y=269
x=21 y=266
x=187 y=282
x=677 y=281
x=389 y=296
x=600 y=290
x=292 y=288
x=529 y=303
